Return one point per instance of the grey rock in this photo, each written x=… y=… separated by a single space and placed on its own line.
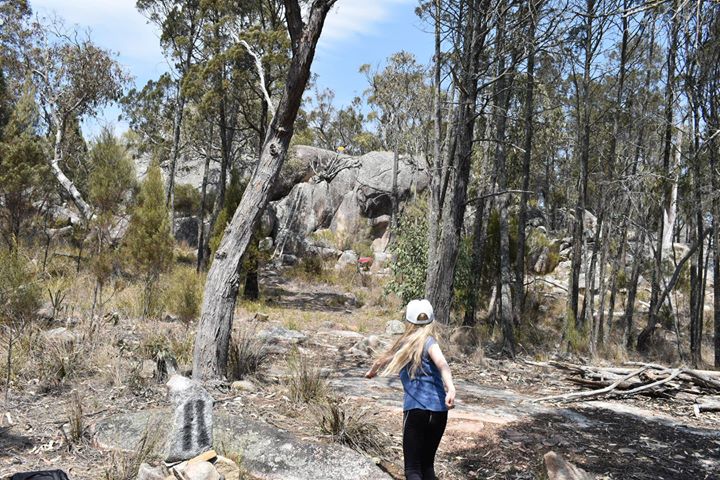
x=560 y=469
x=347 y=220
x=281 y=335
x=268 y=452
x=147 y=472
x=367 y=345
x=266 y=244
x=394 y=327
x=243 y=386
x=289 y=260
x=147 y=369
x=347 y=258
x=59 y=336
x=191 y=432
x=347 y=203
x=381 y=259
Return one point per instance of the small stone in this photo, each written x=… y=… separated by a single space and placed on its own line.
x=560 y=469
x=261 y=317
x=265 y=244
x=147 y=371
x=280 y=335
x=243 y=386
x=348 y=258
x=59 y=336
x=170 y=318
x=394 y=327
x=227 y=468
x=201 y=471
x=146 y=472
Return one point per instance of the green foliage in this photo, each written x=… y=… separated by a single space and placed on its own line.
x=20 y=292
x=24 y=174
x=233 y=195
x=183 y=293
x=187 y=200
x=149 y=243
x=410 y=248
x=462 y=281
x=112 y=174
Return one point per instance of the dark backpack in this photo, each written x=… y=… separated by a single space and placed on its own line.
x=46 y=475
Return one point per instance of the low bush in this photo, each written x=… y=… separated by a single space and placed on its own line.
x=349 y=425
x=183 y=293
x=307 y=383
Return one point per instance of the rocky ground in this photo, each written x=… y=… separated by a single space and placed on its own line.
x=496 y=431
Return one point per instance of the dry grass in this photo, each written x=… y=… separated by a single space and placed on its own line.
x=307 y=382
x=349 y=425
x=247 y=354
x=125 y=466
x=76 y=430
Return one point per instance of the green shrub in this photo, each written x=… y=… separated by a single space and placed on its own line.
x=410 y=267
x=183 y=293
x=149 y=242
x=187 y=200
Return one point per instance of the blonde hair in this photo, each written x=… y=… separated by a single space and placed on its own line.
x=408 y=349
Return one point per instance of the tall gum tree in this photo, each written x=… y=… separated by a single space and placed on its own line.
x=74 y=78
x=221 y=288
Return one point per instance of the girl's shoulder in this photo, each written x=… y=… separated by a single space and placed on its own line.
x=429 y=342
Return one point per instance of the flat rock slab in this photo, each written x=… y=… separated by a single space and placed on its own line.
x=267 y=452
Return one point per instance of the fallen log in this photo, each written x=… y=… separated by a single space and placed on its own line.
x=646 y=379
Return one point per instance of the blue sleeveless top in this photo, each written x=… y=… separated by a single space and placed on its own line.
x=426 y=390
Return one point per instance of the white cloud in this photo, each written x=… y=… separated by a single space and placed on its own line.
x=115 y=25
x=353 y=18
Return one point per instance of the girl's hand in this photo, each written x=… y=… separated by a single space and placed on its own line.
x=450 y=399
x=371 y=373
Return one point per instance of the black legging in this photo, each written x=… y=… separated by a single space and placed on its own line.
x=422 y=431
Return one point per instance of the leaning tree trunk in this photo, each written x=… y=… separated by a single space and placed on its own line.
x=716 y=254
x=221 y=288
x=77 y=198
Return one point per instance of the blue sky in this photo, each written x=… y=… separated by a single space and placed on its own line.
x=356 y=32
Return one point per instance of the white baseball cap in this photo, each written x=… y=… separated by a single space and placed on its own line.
x=415 y=308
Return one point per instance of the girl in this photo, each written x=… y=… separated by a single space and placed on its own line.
x=428 y=386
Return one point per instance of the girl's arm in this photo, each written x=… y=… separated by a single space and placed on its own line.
x=439 y=360
x=378 y=365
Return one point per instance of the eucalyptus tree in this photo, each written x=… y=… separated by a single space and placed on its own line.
x=469 y=25
x=73 y=78
x=213 y=334
x=400 y=98
x=180 y=23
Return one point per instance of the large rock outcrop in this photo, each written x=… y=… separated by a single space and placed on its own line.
x=268 y=453
x=350 y=196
